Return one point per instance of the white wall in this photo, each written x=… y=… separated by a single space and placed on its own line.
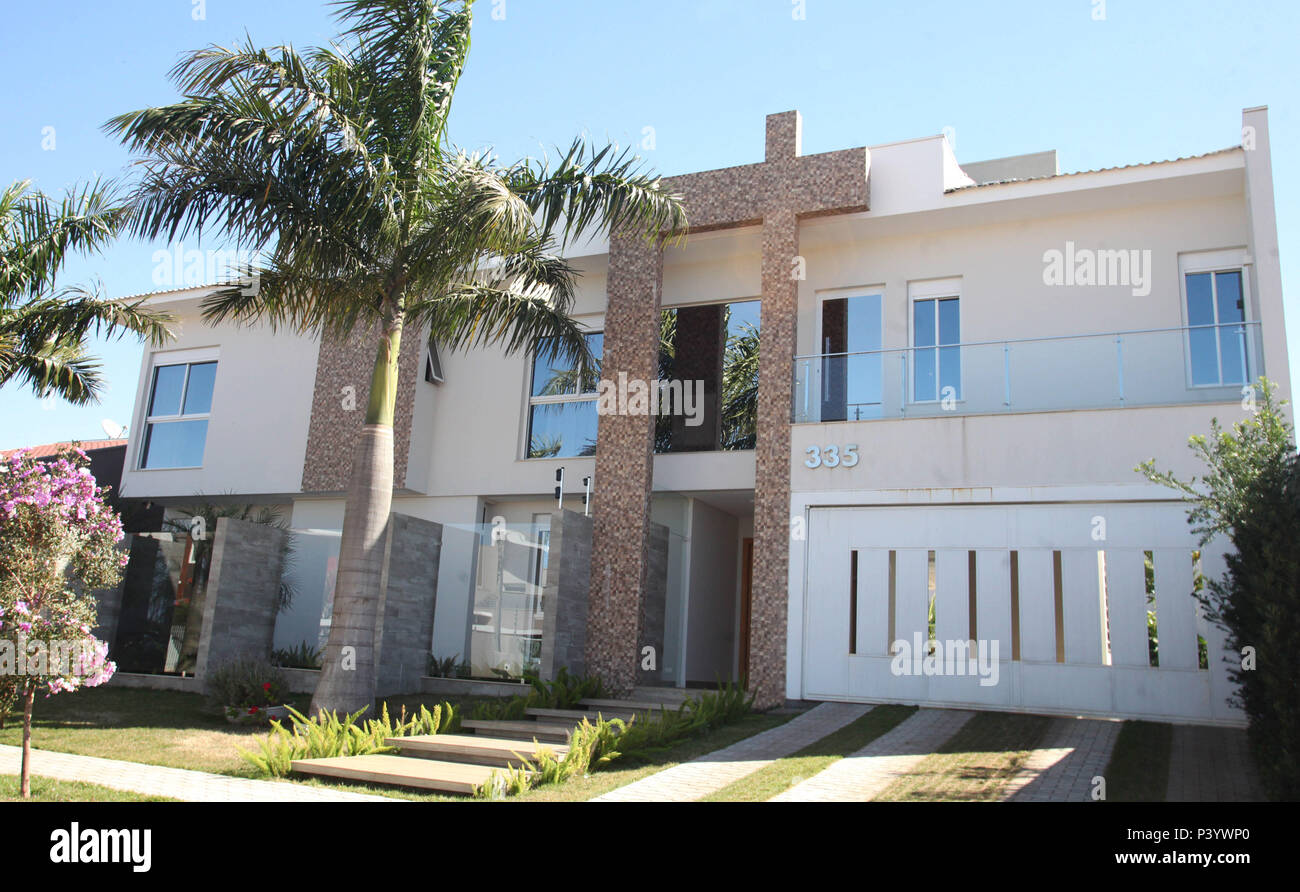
x=711 y=613
x=261 y=404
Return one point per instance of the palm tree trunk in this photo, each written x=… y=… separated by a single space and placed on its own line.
x=25 y=785
x=347 y=682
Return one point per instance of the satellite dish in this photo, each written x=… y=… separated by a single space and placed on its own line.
x=112 y=428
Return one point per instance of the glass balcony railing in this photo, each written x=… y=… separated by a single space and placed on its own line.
x=1153 y=367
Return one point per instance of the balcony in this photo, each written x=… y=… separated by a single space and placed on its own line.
x=1111 y=370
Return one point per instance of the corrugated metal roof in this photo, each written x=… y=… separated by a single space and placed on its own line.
x=1076 y=173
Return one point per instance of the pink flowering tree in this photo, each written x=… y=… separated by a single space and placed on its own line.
x=57 y=547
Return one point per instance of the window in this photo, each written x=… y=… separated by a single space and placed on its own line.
x=1216 y=335
x=562 y=408
x=433 y=364
x=936 y=358
x=851 y=362
x=176 y=422
x=711 y=351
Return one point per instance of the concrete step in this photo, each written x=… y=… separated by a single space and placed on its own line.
x=575 y=716
x=545 y=732
x=673 y=697
x=475 y=749
x=594 y=704
x=389 y=770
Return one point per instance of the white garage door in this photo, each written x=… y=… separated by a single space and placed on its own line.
x=1042 y=608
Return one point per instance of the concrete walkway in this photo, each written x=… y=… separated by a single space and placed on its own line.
x=1208 y=764
x=865 y=774
x=174 y=783
x=1074 y=751
x=709 y=773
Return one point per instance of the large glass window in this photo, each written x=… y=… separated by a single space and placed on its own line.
x=851 y=385
x=711 y=352
x=1216 y=337
x=936 y=358
x=562 y=403
x=176 y=428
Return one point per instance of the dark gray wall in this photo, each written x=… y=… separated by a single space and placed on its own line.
x=408 y=596
x=243 y=590
x=564 y=597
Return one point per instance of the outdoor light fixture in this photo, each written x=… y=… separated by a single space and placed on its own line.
x=586 y=497
x=559 y=488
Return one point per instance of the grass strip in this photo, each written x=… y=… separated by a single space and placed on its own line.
x=1138 y=770
x=46 y=789
x=976 y=763
x=782 y=774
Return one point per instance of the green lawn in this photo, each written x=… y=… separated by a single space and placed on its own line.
x=46 y=790
x=181 y=730
x=784 y=773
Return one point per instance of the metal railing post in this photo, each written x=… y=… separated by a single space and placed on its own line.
x=1006 y=374
x=1119 y=358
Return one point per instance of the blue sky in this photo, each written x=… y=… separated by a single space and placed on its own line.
x=1152 y=80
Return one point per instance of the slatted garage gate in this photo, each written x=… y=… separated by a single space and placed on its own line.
x=1062 y=589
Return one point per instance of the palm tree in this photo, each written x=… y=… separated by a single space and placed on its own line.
x=334 y=166
x=43 y=328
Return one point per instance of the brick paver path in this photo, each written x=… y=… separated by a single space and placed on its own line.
x=1208 y=764
x=1073 y=752
x=175 y=783
x=863 y=775
x=710 y=773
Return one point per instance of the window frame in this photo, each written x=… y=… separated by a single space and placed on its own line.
x=1232 y=260
x=935 y=290
x=879 y=291
x=531 y=401
x=158 y=361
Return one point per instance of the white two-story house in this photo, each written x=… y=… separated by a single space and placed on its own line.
x=962 y=365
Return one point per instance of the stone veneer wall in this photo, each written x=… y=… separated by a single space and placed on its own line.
x=408 y=596
x=624 y=464
x=564 y=596
x=567 y=593
x=333 y=430
x=654 y=605
x=243 y=591
x=786 y=187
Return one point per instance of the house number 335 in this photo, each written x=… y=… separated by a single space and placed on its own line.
x=831 y=456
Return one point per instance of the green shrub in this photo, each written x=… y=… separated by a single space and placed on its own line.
x=327 y=736
x=567 y=691
x=244 y=683
x=448 y=667
x=1251 y=494
x=304 y=656
x=593 y=746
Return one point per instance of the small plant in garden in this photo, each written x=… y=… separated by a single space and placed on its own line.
x=246 y=689
x=567 y=691
x=304 y=656
x=327 y=735
x=593 y=746
x=57 y=547
x=448 y=667
x=1250 y=493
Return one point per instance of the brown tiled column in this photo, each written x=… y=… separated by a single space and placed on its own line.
x=767 y=626
x=786 y=187
x=624 y=465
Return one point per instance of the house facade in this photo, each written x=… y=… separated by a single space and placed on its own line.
x=891 y=457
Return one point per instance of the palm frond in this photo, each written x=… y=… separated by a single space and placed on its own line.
x=587 y=192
